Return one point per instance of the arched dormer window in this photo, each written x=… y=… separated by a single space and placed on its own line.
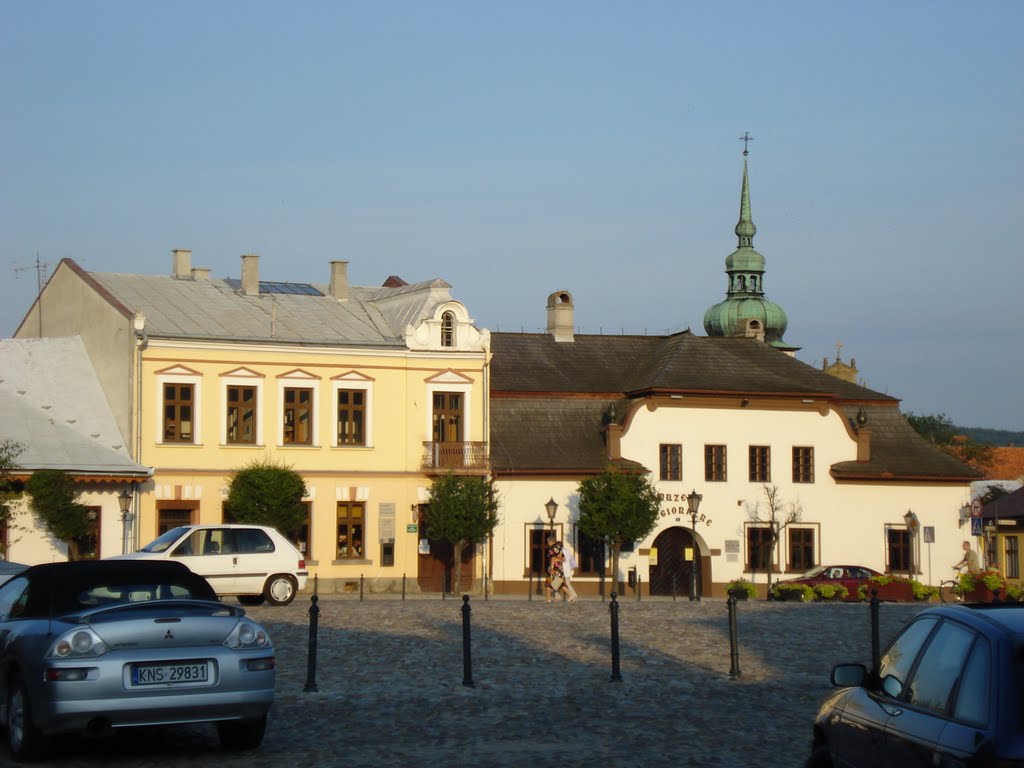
x=448 y=329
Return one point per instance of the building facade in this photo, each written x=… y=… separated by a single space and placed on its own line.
x=367 y=392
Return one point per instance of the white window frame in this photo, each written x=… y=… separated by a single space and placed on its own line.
x=351 y=381
x=242 y=377
x=461 y=386
x=299 y=380
x=180 y=375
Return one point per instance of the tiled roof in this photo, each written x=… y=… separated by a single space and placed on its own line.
x=1009 y=506
x=52 y=404
x=680 y=362
x=549 y=399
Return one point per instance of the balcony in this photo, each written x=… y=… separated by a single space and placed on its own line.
x=454 y=457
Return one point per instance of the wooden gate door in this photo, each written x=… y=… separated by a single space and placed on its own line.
x=673 y=569
x=434 y=569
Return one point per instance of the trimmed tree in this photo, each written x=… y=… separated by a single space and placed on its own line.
x=265 y=492
x=54 y=500
x=463 y=510
x=618 y=507
x=776 y=516
x=9 y=487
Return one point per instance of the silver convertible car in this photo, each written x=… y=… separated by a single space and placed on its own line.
x=92 y=646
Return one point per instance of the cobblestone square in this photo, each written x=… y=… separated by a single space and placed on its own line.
x=390 y=690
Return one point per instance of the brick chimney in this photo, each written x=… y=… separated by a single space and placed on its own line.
x=251 y=274
x=560 y=320
x=181 y=263
x=339 y=280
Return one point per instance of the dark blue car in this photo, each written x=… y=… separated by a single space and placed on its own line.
x=948 y=691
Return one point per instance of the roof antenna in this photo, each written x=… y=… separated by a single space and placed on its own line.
x=746 y=138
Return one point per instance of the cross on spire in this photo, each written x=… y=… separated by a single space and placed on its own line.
x=746 y=138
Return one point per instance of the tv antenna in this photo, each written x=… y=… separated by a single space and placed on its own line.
x=41 y=268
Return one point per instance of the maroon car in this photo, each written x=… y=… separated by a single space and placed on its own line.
x=853 y=577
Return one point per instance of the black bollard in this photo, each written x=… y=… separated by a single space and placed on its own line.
x=403 y=587
x=485 y=587
x=734 y=646
x=314 y=620
x=467 y=652
x=673 y=587
x=361 y=579
x=529 y=587
x=639 y=586
x=876 y=651
x=614 y=609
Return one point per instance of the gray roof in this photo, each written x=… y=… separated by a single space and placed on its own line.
x=215 y=309
x=52 y=404
x=549 y=399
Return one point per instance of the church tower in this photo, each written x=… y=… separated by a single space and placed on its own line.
x=746 y=312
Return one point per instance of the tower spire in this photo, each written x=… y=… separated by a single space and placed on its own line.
x=745 y=229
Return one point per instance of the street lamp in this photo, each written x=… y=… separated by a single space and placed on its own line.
x=693 y=501
x=552 y=508
x=124 y=500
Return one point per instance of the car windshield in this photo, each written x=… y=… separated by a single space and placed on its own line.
x=163 y=543
x=814 y=572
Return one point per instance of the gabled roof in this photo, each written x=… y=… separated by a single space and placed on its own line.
x=549 y=399
x=1005 y=507
x=52 y=404
x=215 y=309
x=681 y=362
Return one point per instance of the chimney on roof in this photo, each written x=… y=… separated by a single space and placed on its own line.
x=560 y=318
x=181 y=263
x=250 y=274
x=200 y=273
x=339 y=280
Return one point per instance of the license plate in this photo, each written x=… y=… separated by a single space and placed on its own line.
x=181 y=673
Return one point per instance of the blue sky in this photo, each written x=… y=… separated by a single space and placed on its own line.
x=518 y=148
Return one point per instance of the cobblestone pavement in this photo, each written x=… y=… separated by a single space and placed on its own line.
x=390 y=686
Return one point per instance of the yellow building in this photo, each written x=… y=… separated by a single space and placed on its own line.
x=365 y=391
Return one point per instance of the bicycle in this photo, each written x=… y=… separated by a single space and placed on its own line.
x=950 y=590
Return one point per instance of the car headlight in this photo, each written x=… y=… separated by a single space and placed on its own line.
x=77 y=643
x=248 y=634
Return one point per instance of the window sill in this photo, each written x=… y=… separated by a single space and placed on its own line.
x=351 y=561
x=250 y=446
x=307 y=446
x=350 y=447
x=180 y=444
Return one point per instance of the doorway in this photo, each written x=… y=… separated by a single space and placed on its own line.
x=671 y=576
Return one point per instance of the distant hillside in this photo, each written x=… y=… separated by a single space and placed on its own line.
x=996 y=437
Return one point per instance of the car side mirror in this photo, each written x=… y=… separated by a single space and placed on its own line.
x=848 y=675
x=892 y=686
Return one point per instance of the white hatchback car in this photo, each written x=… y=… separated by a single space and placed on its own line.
x=253 y=562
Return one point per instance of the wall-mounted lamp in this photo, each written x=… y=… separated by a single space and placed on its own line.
x=552 y=509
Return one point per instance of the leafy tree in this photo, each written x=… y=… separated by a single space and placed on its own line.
x=9 y=450
x=949 y=438
x=618 y=507
x=54 y=499
x=777 y=516
x=265 y=492
x=462 y=510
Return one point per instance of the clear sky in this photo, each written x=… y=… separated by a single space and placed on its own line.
x=518 y=148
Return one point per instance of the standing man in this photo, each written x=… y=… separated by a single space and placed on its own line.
x=969 y=560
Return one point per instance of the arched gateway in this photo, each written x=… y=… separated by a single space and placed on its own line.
x=671 y=575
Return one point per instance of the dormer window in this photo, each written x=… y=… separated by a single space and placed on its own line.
x=448 y=329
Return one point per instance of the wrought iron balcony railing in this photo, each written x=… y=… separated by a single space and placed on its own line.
x=454 y=456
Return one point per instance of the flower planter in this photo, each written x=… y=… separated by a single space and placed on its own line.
x=981 y=594
x=893 y=592
x=739 y=594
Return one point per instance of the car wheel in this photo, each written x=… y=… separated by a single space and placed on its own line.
x=24 y=740
x=280 y=589
x=820 y=758
x=250 y=599
x=241 y=734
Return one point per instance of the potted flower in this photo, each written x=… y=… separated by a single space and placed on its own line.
x=1014 y=593
x=801 y=593
x=893 y=589
x=981 y=587
x=830 y=592
x=923 y=592
x=741 y=589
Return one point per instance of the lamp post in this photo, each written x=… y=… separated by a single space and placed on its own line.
x=693 y=501
x=124 y=500
x=552 y=509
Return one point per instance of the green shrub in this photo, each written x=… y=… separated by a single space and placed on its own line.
x=742 y=585
x=923 y=591
x=783 y=592
x=831 y=591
